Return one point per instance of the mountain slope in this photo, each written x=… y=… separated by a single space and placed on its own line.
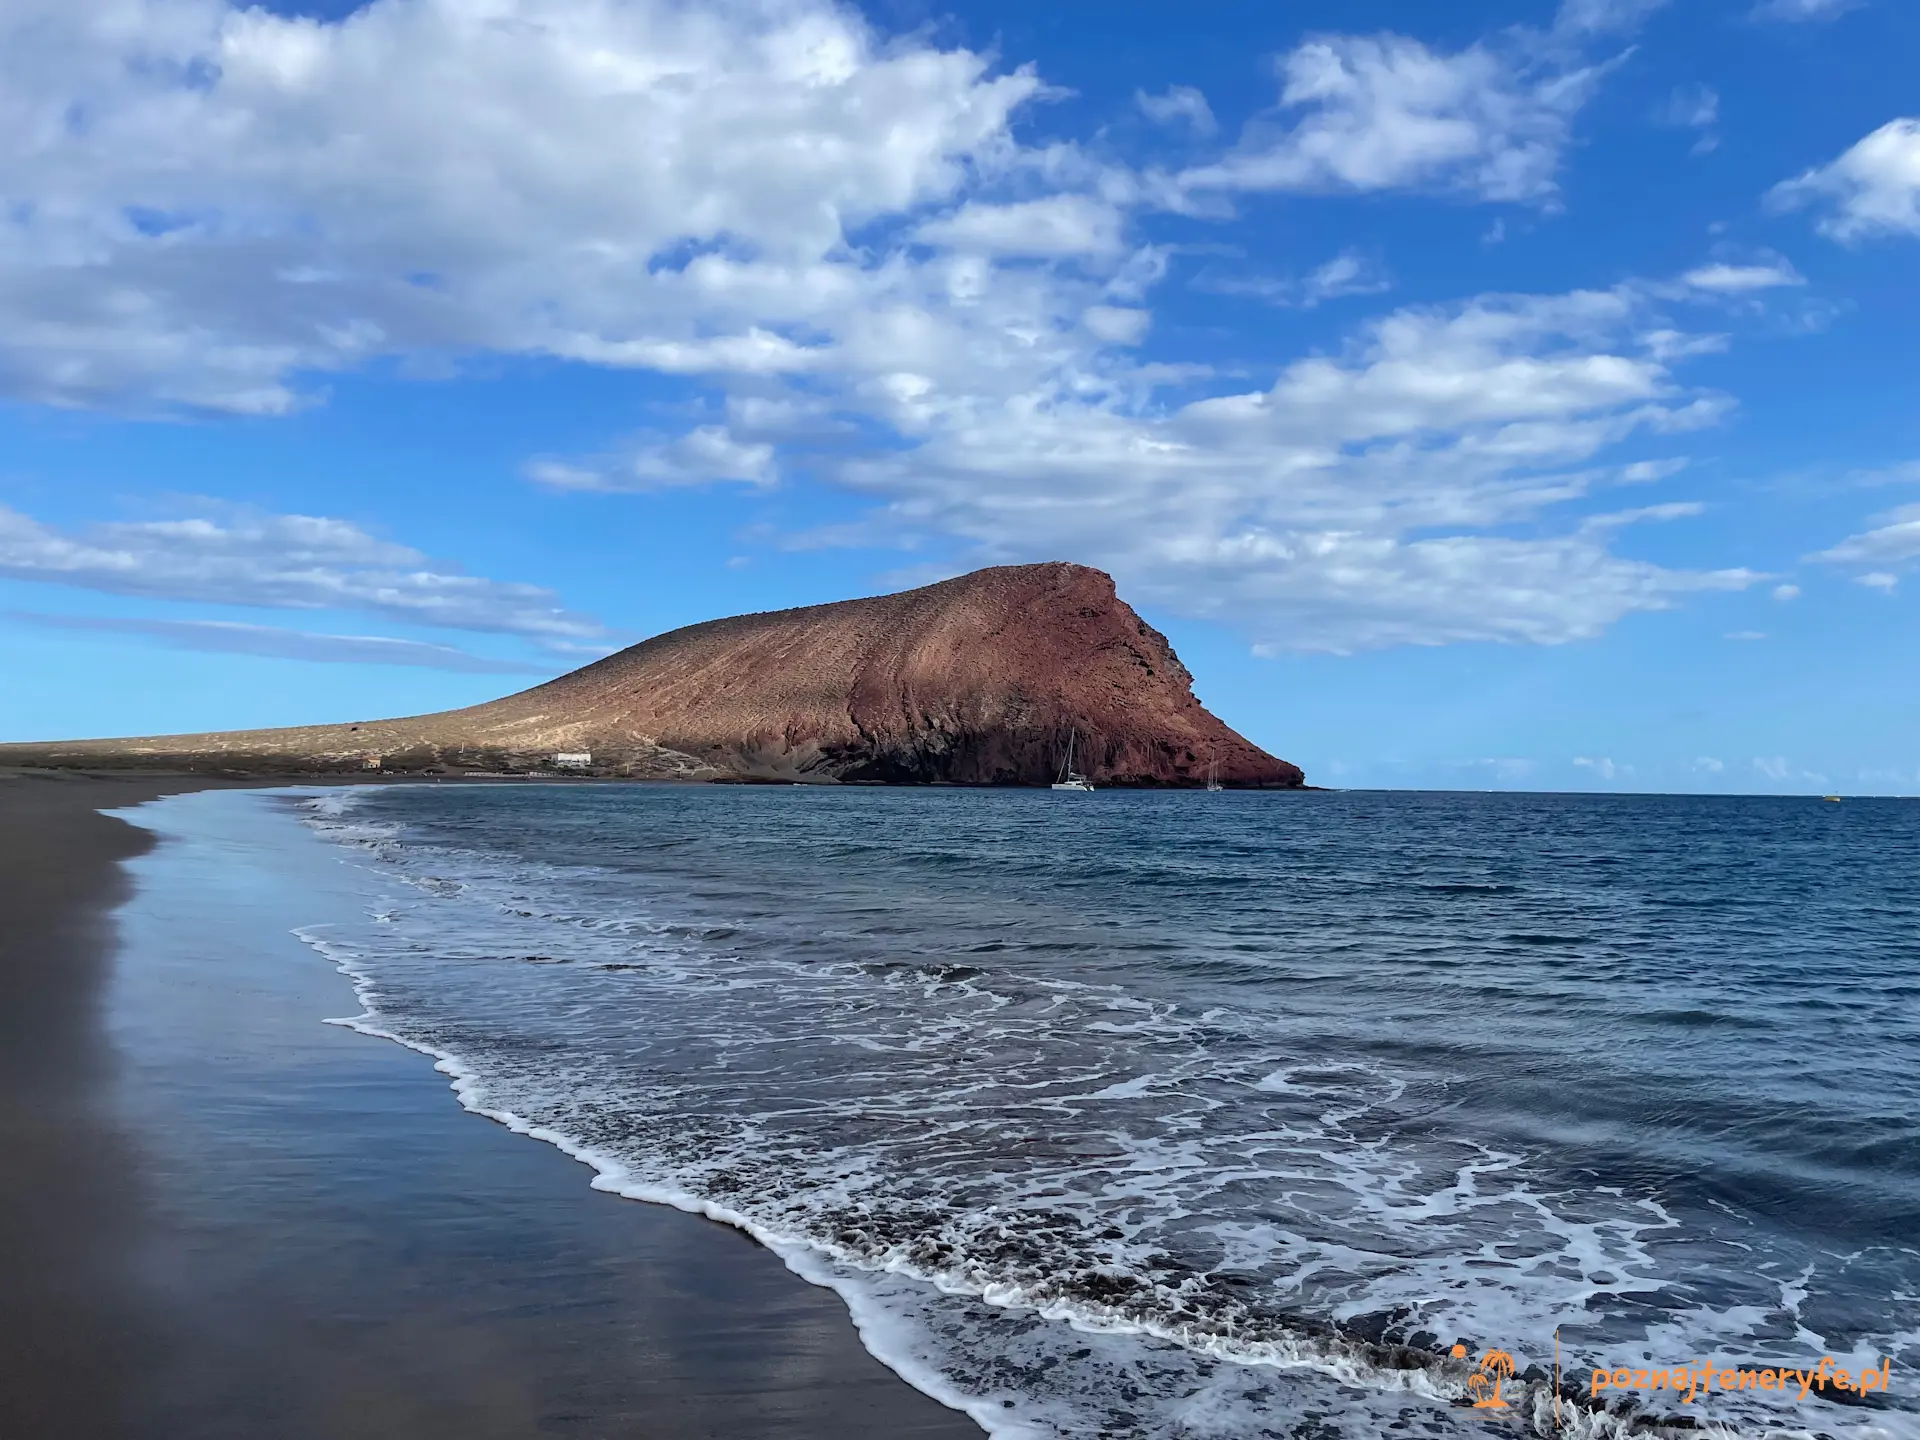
x=975 y=680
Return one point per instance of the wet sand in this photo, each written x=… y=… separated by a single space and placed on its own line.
x=222 y=1218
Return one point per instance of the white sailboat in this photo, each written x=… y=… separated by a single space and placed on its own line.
x=1070 y=778
x=1213 y=772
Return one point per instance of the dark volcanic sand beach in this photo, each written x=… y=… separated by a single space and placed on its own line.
x=219 y=1217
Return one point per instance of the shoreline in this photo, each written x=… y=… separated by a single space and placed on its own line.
x=17 y=760
x=405 y=1271
x=74 y=1334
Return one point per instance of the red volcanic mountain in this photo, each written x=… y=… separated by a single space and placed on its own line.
x=977 y=680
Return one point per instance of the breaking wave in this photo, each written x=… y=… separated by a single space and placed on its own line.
x=1082 y=1163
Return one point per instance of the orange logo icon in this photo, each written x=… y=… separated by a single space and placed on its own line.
x=1484 y=1383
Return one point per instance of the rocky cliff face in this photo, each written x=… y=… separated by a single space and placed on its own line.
x=976 y=680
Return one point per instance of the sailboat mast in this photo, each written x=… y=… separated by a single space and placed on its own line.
x=1070 y=778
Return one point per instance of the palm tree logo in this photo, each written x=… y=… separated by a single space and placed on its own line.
x=1484 y=1383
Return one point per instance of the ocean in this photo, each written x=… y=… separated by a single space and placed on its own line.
x=1191 y=1115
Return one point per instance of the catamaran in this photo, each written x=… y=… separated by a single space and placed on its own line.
x=1070 y=778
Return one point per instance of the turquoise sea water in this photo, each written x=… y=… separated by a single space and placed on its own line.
x=1192 y=1115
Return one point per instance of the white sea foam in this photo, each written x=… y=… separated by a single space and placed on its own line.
x=1063 y=1207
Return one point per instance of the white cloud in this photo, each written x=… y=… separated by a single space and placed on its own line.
x=756 y=352
x=1117 y=324
x=1642 y=472
x=1786 y=592
x=1877 y=556
x=1792 y=10
x=836 y=236
x=1181 y=105
x=1359 y=500
x=1709 y=764
x=1386 y=112
x=1693 y=107
x=1873 y=189
x=702 y=456
x=1506 y=769
x=232 y=637
x=1668 y=346
x=1602 y=767
x=1905 y=473
x=254 y=196
x=1895 y=541
x=1603 y=16
x=1058 y=226
x=1746 y=635
x=1346 y=274
x=1723 y=279
x=1672 y=510
x=1497 y=359
x=1780 y=770
x=292 y=562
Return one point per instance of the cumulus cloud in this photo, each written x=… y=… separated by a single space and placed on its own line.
x=831 y=235
x=1873 y=189
x=1496 y=360
x=1360 y=500
x=207 y=202
x=1361 y=113
x=1058 y=226
x=1117 y=324
x=290 y=562
x=232 y=637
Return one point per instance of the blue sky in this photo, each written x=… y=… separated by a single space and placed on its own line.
x=1495 y=394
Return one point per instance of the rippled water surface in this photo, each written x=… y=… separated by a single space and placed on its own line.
x=1214 y=1115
